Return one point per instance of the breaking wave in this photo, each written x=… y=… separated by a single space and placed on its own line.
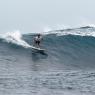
x=77 y=45
x=66 y=67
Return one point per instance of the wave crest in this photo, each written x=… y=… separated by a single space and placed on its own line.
x=15 y=38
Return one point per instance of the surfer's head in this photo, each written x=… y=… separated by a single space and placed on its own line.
x=38 y=35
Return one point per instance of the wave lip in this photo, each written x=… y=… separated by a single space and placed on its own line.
x=80 y=31
x=16 y=37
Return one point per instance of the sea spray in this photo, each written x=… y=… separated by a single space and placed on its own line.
x=16 y=38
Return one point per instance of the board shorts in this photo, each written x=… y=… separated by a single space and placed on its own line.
x=37 y=42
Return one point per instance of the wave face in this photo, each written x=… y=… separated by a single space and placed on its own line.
x=67 y=67
x=64 y=48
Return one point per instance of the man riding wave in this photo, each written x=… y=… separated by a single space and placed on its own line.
x=37 y=40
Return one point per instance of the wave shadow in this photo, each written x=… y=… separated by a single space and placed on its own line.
x=38 y=55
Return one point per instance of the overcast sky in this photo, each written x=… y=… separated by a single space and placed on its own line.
x=36 y=15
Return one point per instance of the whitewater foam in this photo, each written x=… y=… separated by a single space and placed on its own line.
x=78 y=33
x=90 y=31
x=16 y=38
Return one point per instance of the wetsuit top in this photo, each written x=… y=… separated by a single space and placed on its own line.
x=38 y=38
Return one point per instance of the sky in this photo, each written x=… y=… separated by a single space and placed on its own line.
x=41 y=15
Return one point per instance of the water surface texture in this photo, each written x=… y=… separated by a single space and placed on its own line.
x=67 y=67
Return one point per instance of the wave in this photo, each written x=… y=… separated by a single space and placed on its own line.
x=70 y=47
x=16 y=37
x=66 y=59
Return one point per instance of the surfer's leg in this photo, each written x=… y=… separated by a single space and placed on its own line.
x=35 y=43
x=39 y=43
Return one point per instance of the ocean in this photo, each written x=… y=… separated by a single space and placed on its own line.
x=67 y=67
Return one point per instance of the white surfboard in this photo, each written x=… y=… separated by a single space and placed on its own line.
x=36 y=48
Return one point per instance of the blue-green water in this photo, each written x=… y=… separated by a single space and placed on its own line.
x=67 y=67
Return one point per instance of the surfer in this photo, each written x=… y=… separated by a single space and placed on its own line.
x=37 y=40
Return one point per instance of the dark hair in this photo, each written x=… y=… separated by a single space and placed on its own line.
x=39 y=35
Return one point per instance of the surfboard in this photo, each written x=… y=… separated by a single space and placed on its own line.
x=38 y=49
